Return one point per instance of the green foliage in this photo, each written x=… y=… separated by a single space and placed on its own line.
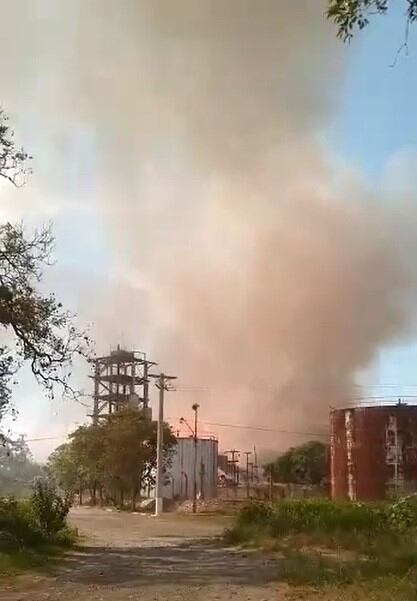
x=44 y=334
x=305 y=464
x=258 y=513
x=117 y=456
x=13 y=160
x=87 y=449
x=402 y=515
x=40 y=520
x=362 y=546
x=41 y=333
x=324 y=516
x=50 y=510
x=17 y=523
x=311 y=515
x=387 y=587
x=350 y=15
x=13 y=562
x=66 y=537
x=66 y=471
x=17 y=469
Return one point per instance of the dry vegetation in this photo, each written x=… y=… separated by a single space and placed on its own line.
x=341 y=550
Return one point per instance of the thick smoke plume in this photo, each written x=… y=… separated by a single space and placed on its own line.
x=272 y=275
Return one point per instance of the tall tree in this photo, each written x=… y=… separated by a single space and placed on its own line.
x=69 y=474
x=305 y=464
x=130 y=452
x=37 y=329
x=87 y=449
x=350 y=15
x=117 y=456
x=18 y=470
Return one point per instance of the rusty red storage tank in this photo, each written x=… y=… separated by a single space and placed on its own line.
x=373 y=452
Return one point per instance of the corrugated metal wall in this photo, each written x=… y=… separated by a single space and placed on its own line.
x=181 y=474
x=373 y=452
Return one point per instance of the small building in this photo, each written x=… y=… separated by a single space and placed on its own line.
x=193 y=461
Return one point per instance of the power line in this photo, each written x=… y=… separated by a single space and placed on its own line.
x=81 y=403
x=190 y=387
x=382 y=397
x=42 y=438
x=264 y=429
x=217 y=424
x=386 y=385
x=259 y=428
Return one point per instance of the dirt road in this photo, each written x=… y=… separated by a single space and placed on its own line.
x=134 y=557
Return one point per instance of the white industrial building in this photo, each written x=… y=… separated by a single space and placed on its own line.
x=193 y=459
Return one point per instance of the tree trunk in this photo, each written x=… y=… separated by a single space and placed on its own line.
x=134 y=497
x=122 y=498
x=101 y=496
x=80 y=496
x=93 y=496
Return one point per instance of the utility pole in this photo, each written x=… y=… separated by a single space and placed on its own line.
x=248 y=454
x=96 y=393
x=195 y=409
x=159 y=500
x=271 y=487
x=162 y=381
x=234 y=460
x=256 y=464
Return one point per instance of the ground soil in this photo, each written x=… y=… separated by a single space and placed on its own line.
x=136 y=557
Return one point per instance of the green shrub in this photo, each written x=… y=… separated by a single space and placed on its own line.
x=255 y=513
x=402 y=515
x=50 y=510
x=322 y=542
x=323 y=516
x=290 y=517
x=65 y=537
x=17 y=521
x=32 y=522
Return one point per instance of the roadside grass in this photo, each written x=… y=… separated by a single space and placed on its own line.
x=33 y=531
x=386 y=588
x=40 y=556
x=13 y=563
x=389 y=588
x=345 y=551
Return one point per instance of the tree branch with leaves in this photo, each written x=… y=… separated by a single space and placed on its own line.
x=351 y=15
x=117 y=456
x=13 y=160
x=37 y=329
x=45 y=334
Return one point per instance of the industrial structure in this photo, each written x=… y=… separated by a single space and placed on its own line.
x=194 y=460
x=373 y=452
x=121 y=379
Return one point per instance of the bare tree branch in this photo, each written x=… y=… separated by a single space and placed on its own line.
x=13 y=161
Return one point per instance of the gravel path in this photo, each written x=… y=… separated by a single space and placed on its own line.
x=135 y=557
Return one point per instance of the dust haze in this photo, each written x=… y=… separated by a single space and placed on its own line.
x=272 y=273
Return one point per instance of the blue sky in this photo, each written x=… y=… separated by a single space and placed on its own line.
x=377 y=115
x=376 y=122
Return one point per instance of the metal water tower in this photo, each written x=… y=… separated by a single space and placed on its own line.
x=373 y=452
x=120 y=381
